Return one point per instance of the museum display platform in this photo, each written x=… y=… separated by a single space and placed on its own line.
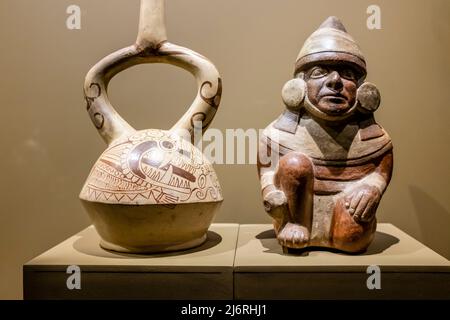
x=205 y=272
x=240 y=262
x=408 y=269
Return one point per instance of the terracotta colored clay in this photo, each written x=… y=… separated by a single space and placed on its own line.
x=335 y=161
x=151 y=190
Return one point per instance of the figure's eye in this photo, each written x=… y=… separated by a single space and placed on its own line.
x=348 y=74
x=318 y=72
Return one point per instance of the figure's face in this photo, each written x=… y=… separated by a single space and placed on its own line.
x=332 y=88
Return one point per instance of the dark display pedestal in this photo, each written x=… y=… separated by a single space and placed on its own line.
x=409 y=270
x=240 y=262
x=205 y=272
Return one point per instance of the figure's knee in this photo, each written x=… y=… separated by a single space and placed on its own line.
x=295 y=165
x=347 y=234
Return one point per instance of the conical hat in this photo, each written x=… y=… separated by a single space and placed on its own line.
x=330 y=42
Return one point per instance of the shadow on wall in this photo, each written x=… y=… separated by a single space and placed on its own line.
x=432 y=216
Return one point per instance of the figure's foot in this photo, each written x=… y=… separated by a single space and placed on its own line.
x=293 y=236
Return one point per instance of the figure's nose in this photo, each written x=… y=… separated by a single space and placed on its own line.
x=334 y=81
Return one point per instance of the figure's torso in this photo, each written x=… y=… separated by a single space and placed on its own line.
x=340 y=154
x=356 y=142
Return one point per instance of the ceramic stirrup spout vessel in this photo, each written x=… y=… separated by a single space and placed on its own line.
x=151 y=190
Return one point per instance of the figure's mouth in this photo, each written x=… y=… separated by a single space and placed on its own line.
x=335 y=98
x=333 y=103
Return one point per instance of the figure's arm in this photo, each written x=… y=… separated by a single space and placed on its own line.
x=267 y=166
x=364 y=196
x=384 y=170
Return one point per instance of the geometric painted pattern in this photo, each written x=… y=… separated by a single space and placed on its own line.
x=152 y=167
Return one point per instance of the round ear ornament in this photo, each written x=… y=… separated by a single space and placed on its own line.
x=293 y=94
x=368 y=98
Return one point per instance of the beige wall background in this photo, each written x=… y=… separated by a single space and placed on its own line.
x=49 y=143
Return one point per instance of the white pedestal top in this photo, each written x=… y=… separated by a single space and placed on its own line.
x=392 y=249
x=83 y=249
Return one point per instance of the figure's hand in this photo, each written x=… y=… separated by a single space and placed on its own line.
x=362 y=202
x=273 y=200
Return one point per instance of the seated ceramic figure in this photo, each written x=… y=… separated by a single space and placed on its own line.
x=334 y=161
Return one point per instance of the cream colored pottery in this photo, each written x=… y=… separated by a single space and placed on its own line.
x=151 y=190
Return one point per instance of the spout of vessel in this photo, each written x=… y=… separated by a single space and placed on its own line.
x=152 y=28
